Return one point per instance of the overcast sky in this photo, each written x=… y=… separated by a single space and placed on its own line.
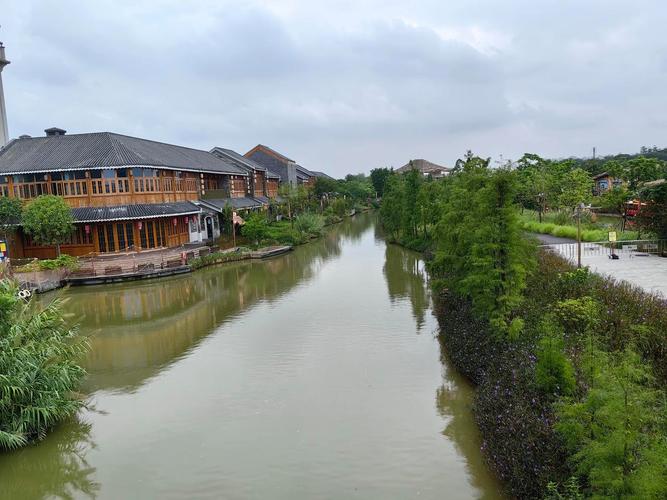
x=345 y=86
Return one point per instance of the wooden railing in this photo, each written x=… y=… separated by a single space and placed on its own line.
x=101 y=187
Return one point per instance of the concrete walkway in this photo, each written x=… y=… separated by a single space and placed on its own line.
x=646 y=271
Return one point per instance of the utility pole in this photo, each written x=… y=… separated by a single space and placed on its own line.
x=594 y=152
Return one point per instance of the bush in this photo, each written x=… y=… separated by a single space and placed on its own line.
x=64 y=260
x=309 y=224
x=218 y=258
x=563 y=218
x=554 y=373
x=256 y=228
x=339 y=207
x=39 y=370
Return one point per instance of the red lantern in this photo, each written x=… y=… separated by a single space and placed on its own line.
x=140 y=225
x=87 y=228
x=175 y=221
x=186 y=219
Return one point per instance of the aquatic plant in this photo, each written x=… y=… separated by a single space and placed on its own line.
x=39 y=368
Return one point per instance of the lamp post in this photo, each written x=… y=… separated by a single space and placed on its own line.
x=577 y=215
x=540 y=205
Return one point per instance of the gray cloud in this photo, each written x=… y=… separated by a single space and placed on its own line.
x=344 y=86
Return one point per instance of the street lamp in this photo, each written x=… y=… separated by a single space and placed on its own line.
x=577 y=215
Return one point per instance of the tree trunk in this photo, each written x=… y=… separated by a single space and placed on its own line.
x=57 y=249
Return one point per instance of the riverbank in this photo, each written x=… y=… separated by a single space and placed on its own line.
x=569 y=365
x=523 y=422
x=279 y=238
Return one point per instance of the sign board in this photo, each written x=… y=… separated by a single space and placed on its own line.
x=612 y=235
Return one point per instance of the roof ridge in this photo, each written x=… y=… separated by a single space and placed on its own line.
x=274 y=152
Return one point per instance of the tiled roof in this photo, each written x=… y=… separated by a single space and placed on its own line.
x=322 y=174
x=271 y=152
x=103 y=150
x=423 y=166
x=131 y=212
x=304 y=173
x=242 y=162
x=219 y=204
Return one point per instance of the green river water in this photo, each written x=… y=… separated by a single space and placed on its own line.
x=312 y=375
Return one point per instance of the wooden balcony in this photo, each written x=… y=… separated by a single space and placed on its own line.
x=90 y=192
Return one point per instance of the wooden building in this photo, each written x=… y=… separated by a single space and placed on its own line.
x=126 y=193
x=287 y=169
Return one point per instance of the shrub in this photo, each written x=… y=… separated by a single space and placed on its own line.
x=339 y=207
x=577 y=315
x=614 y=432
x=554 y=373
x=39 y=370
x=64 y=260
x=218 y=258
x=309 y=224
x=563 y=218
x=256 y=228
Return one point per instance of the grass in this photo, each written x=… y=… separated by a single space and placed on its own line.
x=590 y=231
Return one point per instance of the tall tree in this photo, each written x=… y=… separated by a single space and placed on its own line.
x=391 y=211
x=379 y=179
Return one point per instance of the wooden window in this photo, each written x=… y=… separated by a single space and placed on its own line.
x=120 y=230
x=111 y=244
x=101 y=239
x=160 y=233
x=129 y=229
x=142 y=236
x=151 y=234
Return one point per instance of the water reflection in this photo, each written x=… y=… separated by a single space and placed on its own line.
x=211 y=387
x=57 y=467
x=406 y=279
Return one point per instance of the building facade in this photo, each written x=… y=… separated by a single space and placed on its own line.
x=287 y=169
x=125 y=193
x=605 y=182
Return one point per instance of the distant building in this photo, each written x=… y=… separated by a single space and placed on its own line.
x=289 y=171
x=262 y=182
x=426 y=168
x=605 y=182
x=322 y=174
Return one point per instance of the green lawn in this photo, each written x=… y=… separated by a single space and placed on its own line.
x=565 y=227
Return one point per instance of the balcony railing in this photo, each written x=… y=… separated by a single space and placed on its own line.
x=100 y=187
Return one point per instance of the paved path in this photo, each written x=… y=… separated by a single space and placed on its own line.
x=547 y=239
x=647 y=271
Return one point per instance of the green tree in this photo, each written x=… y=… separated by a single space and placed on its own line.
x=256 y=228
x=535 y=187
x=379 y=178
x=653 y=217
x=411 y=212
x=642 y=169
x=481 y=251
x=614 y=432
x=39 y=368
x=428 y=204
x=554 y=373
x=391 y=211
x=48 y=219
x=324 y=185
x=576 y=187
x=10 y=215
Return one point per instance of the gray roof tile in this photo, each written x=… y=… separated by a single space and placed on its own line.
x=104 y=150
x=130 y=212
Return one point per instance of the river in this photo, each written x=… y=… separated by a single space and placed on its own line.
x=312 y=375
